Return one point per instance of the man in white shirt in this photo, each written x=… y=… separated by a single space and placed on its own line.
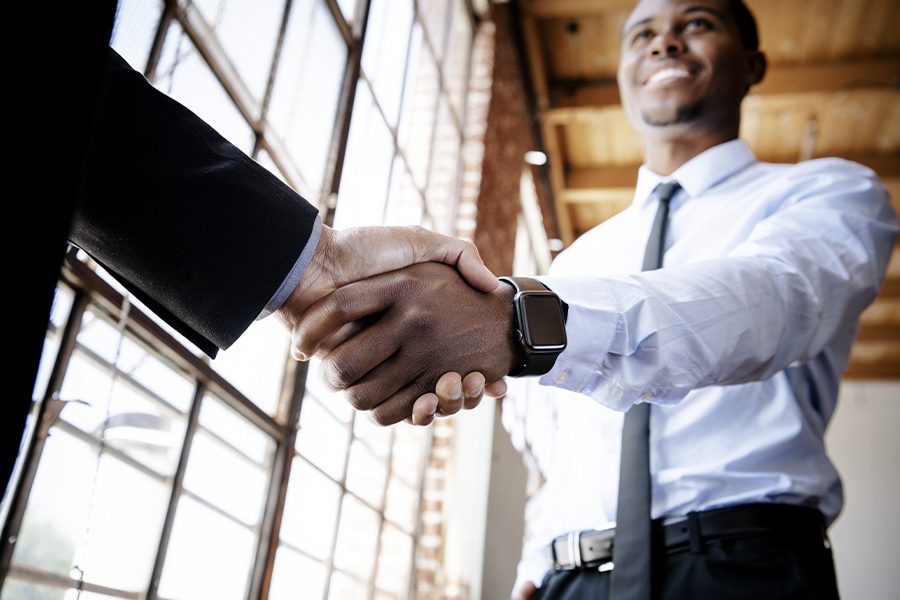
x=737 y=342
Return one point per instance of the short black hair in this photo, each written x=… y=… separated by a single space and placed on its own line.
x=746 y=24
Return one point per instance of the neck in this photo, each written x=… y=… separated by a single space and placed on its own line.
x=664 y=154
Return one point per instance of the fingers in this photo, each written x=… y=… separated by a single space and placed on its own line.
x=526 y=591
x=339 y=308
x=449 y=390
x=473 y=389
x=496 y=389
x=400 y=406
x=424 y=409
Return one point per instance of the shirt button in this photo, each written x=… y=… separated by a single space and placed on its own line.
x=561 y=378
x=646 y=396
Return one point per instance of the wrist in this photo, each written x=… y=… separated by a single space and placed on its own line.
x=316 y=281
x=511 y=349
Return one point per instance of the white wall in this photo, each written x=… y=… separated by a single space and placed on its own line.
x=864 y=442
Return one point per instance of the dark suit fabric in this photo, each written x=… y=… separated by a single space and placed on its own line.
x=191 y=226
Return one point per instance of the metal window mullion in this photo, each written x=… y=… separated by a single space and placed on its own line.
x=329 y=565
x=417 y=533
x=20 y=491
x=279 y=480
x=35 y=574
x=381 y=517
x=177 y=488
x=260 y=127
x=204 y=39
x=159 y=39
x=338 y=146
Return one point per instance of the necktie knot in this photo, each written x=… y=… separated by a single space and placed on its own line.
x=665 y=191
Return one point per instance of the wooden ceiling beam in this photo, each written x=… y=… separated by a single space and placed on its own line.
x=565 y=9
x=782 y=79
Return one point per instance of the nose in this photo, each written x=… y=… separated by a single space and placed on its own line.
x=666 y=43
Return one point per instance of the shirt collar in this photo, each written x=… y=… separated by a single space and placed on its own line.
x=701 y=172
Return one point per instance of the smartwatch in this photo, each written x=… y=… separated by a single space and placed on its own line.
x=540 y=325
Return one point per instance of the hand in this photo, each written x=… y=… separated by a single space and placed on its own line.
x=429 y=322
x=526 y=591
x=453 y=393
x=345 y=256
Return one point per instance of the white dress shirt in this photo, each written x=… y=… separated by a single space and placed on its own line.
x=739 y=342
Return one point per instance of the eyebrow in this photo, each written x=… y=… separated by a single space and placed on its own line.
x=707 y=9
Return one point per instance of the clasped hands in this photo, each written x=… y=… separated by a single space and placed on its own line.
x=396 y=328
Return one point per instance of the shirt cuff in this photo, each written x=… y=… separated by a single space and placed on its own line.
x=296 y=272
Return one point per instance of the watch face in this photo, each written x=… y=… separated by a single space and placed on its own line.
x=543 y=321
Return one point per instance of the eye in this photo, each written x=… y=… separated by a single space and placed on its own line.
x=642 y=35
x=698 y=24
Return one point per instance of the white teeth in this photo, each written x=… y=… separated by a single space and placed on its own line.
x=668 y=74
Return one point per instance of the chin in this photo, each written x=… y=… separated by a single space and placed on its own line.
x=678 y=115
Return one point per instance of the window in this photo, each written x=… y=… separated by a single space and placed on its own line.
x=158 y=473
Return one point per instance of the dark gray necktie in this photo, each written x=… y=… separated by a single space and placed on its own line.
x=631 y=577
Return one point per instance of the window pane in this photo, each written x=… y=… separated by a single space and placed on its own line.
x=440 y=197
x=434 y=14
x=209 y=556
x=348 y=7
x=419 y=106
x=307 y=84
x=377 y=438
x=394 y=561
x=456 y=66
x=357 y=538
x=310 y=510
x=295 y=576
x=346 y=588
x=131 y=421
x=364 y=181
x=404 y=200
x=255 y=362
x=225 y=422
x=401 y=504
x=384 y=53
x=410 y=445
x=15 y=589
x=221 y=476
x=248 y=32
x=322 y=439
x=134 y=30
x=111 y=531
x=183 y=74
x=366 y=475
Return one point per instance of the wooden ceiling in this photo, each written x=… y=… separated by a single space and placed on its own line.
x=832 y=89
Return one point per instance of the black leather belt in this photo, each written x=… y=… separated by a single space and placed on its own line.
x=593 y=548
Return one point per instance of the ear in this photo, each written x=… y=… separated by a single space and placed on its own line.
x=756 y=67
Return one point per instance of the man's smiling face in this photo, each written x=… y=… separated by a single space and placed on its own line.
x=683 y=62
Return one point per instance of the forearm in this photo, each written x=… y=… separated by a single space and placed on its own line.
x=779 y=297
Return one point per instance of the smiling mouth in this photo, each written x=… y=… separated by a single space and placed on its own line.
x=667 y=75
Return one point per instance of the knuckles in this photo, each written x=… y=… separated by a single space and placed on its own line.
x=340 y=371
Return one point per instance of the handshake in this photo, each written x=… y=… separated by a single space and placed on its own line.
x=396 y=329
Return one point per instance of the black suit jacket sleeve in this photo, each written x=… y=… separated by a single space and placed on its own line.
x=189 y=224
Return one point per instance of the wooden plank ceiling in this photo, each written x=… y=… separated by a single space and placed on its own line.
x=833 y=89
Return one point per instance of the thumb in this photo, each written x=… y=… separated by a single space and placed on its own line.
x=462 y=254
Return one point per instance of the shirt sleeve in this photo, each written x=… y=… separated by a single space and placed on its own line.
x=802 y=275
x=296 y=272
